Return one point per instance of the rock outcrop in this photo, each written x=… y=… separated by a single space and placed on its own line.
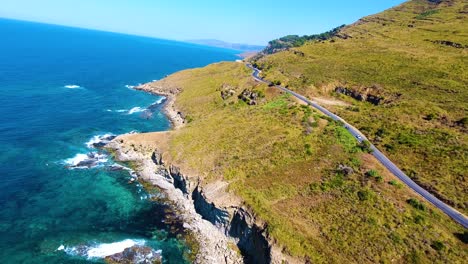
x=360 y=95
x=218 y=220
x=136 y=254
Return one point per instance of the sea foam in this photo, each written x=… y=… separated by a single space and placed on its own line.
x=99 y=140
x=136 y=110
x=76 y=160
x=83 y=161
x=102 y=250
x=161 y=100
x=72 y=86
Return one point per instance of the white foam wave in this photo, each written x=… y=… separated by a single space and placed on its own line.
x=161 y=100
x=99 y=139
x=130 y=86
x=136 y=110
x=72 y=86
x=76 y=160
x=102 y=250
x=82 y=161
x=118 y=110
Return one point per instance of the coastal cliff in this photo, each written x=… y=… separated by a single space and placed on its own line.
x=226 y=231
x=276 y=182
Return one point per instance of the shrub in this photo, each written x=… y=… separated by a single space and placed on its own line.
x=395 y=237
x=416 y=204
x=419 y=219
x=364 y=195
x=389 y=147
x=189 y=119
x=430 y=116
x=365 y=146
x=437 y=245
x=308 y=149
x=427 y=13
x=380 y=132
x=395 y=183
x=372 y=173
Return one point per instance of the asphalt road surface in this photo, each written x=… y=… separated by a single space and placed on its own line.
x=454 y=214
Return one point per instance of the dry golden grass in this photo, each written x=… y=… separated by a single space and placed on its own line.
x=397 y=54
x=290 y=179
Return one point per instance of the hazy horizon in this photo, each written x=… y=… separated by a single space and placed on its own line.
x=246 y=22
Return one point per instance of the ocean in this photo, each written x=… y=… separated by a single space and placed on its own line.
x=63 y=92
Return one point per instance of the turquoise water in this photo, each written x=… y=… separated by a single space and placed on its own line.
x=60 y=88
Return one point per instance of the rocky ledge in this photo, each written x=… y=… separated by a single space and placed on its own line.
x=214 y=246
x=227 y=231
x=176 y=117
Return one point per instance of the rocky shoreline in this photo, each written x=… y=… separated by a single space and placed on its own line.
x=175 y=117
x=227 y=231
x=214 y=246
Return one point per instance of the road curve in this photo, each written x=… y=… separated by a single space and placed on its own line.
x=448 y=210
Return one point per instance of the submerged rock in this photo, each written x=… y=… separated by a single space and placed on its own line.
x=136 y=255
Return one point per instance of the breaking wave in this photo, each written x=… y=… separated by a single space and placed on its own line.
x=72 y=86
x=100 y=140
x=86 y=161
x=136 y=109
x=101 y=250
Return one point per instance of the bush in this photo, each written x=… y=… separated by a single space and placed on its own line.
x=364 y=195
x=395 y=183
x=437 y=245
x=365 y=146
x=430 y=116
x=419 y=219
x=372 y=173
x=427 y=13
x=416 y=204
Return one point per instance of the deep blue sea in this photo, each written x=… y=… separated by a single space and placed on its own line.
x=60 y=90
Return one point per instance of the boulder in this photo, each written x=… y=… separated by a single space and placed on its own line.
x=346 y=170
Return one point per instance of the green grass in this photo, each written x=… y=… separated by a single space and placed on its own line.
x=421 y=124
x=286 y=170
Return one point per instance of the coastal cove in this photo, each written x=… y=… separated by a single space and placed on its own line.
x=66 y=92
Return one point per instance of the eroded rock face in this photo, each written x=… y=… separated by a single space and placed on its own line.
x=450 y=44
x=360 y=96
x=248 y=96
x=227 y=91
x=136 y=255
x=218 y=222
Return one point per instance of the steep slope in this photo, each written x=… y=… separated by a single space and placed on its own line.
x=320 y=196
x=404 y=75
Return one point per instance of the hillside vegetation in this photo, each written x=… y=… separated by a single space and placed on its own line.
x=404 y=75
x=324 y=199
x=291 y=41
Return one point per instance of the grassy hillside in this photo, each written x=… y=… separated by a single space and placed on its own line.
x=324 y=199
x=404 y=74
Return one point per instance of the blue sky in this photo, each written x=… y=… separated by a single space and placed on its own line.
x=241 y=21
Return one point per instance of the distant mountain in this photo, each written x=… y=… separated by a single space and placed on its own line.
x=223 y=44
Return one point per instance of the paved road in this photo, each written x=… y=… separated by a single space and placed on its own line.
x=454 y=214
